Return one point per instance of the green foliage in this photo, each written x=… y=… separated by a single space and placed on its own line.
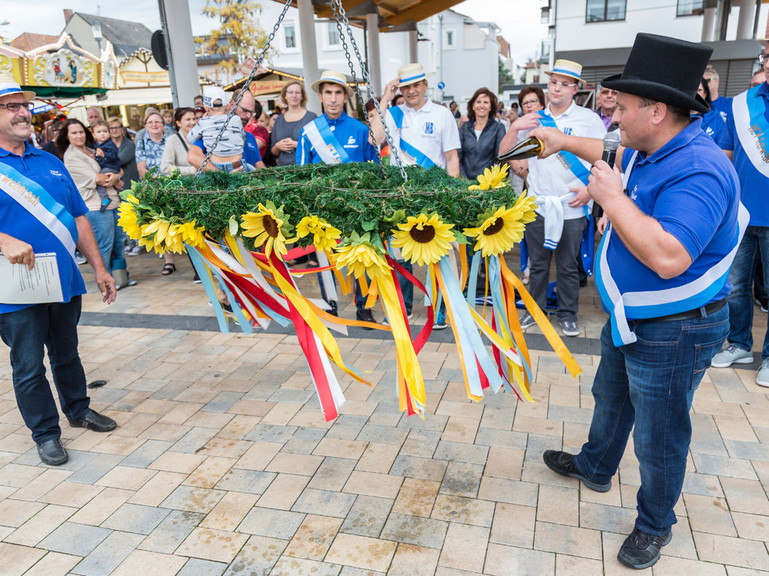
x=352 y=197
x=239 y=35
x=505 y=77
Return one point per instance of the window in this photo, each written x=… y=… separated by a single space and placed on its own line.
x=333 y=35
x=289 y=30
x=690 y=7
x=448 y=39
x=605 y=10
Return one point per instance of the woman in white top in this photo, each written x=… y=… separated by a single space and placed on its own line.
x=175 y=151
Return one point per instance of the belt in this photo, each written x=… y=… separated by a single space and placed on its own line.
x=701 y=312
x=237 y=164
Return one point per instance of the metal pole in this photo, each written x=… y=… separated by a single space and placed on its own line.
x=374 y=64
x=183 y=67
x=309 y=51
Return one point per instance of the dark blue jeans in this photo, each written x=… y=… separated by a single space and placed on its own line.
x=650 y=385
x=741 y=298
x=26 y=332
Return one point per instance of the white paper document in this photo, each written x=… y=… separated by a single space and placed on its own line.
x=20 y=285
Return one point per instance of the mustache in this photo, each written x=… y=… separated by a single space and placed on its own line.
x=25 y=121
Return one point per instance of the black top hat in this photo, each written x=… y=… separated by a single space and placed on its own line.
x=664 y=69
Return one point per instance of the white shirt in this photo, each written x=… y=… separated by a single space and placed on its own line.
x=547 y=177
x=432 y=130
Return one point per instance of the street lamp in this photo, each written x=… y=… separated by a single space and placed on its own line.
x=97 y=35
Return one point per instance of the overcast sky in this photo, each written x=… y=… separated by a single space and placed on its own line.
x=519 y=20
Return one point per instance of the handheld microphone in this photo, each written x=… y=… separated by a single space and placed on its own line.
x=610 y=144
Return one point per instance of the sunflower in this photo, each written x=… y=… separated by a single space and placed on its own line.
x=424 y=240
x=265 y=227
x=491 y=178
x=500 y=231
x=155 y=236
x=360 y=259
x=324 y=235
x=128 y=220
x=192 y=235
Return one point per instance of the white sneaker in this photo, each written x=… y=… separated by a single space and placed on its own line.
x=732 y=355
x=763 y=374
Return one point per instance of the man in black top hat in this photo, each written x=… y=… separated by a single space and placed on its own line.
x=675 y=222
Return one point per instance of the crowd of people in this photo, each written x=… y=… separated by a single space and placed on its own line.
x=682 y=208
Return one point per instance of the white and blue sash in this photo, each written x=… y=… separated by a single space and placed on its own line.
x=412 y=154
x=657 y=303
x=41 y=205
x=324 y=142
x=568 y=160
x=752 y=128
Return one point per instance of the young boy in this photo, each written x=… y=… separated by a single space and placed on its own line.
x=228 y=153
x=106 y=155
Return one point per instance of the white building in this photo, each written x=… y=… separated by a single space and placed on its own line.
x=599 y=33
x=453 y=48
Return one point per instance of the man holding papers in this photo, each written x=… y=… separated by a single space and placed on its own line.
x=41 y=211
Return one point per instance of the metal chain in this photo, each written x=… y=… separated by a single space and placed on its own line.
x=246 y=84
x=340 y=14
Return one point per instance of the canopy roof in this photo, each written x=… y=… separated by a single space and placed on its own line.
x=392 y=13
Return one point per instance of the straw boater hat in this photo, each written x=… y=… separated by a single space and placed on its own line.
x=652 y=73
x=8 y=85
x=333 y=77
x=410 y=74
x=566 y=68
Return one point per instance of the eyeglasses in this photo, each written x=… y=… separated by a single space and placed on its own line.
x=529 y=102
x=246 y=110
x=15 y=106
x=607 y=91
x=564 y=84
x=115 y=128
x=762 y=57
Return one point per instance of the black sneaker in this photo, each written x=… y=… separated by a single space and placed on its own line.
x=365 y=315
x=563 y=463
x=641 y=549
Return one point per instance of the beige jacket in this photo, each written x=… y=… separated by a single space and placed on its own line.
x=83 y=170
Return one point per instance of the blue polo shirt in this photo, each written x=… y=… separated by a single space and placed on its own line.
x=352 y=135
x=755 y=186
x=250 y=150
x=713 y=123
x=722 y=104
x=48 y=171
x=690 y=187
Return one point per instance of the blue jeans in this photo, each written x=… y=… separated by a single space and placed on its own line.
x=741 y=299
x=27 y=332
x=109 y=236
x=650 y=385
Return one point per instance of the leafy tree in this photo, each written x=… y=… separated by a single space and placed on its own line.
x=505 y=77
x=239 y=35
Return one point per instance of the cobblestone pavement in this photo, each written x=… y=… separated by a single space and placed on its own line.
x=223 y=463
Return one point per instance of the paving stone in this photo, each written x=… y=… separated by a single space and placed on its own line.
x=465 y=547
x=222 y=402
x=52 y=564
x=464 y=510
x=75 y=539
x=723 y=466
x=97 y=468
x=270 y=433
x=271 y=523
x=367 y=516
x=194 y=440
x=415 y=530
x=288 y=566
x=314 y=537
x=383 y=434
x=257 y=557
x=109 y=554
x=135 y=518
x=421 y=443
x=421 y=468
x=324 y=502
x=513 y=525
x=138 y=561
x=702 y=484
x=17 y=559
x=146 y=454
x=332 y=474
x=507 y=560
x=462 y=479
x=708 y=514
x=251 y=481
x=568 y=540
x=361 y=552
x=732 y=551
x=172 y=531
x=211 y=544
x=455 y=451
x=304 y=440
x=412 y=560
x=198 y=567
x=193 y=499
